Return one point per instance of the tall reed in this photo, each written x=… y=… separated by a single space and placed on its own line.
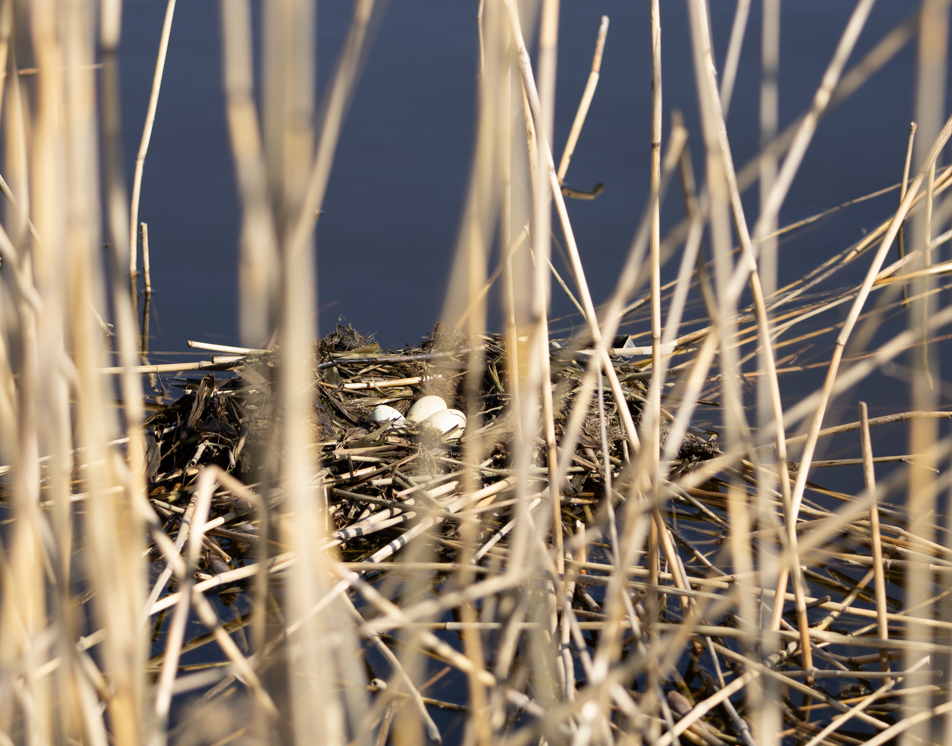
x=611 y=574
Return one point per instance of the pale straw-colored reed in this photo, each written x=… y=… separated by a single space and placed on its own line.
x=604 y=584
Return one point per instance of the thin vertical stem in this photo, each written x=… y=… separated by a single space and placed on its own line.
x=924 y=283
x=930 y=192
x=764 y=698
x=879 y=579
x=769 y=125
x=506 y=244
x=720 y=160
x=651 y=428
x=731 y=62
x=258 y=262
x=586 y=101
x=930 y=108
x=655 y=243
x=901 y=239
x=147 y=136
x=146 y=268
x=471 y=258
x=808 y=125
x=543 y=192
x=591 y=318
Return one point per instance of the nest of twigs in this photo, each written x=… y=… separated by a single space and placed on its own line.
x=386 y=484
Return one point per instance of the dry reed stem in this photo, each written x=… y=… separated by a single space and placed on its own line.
x=719 y=160
x=166 y=574
x=244 y=351
x=868 y=700
x=122 y=370
x=114 y=541
x=124 y=595
x=732 y=61
x=902 y=192
x=198 y=510
x=534 y=387
x=471 y=258
x=854 y=314
x=880 y=582
x=147 y=137
x=930 y=108
x=561 y=707
x=769 y=124
x=808 y=125
x=590 y=316
x=543 y=191
x=924 y=225
x=289 y=150
x=764 y=695
x=433 y=732
x=258 y=254
x=146 y=264
x=6 y=27
x=930 y=194
x=587 y=96
x=651 y=425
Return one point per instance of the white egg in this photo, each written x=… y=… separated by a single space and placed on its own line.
x=383 y=414
x=424 y=408
x=448 y=421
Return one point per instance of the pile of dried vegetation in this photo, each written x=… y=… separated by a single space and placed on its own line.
x=409 y=516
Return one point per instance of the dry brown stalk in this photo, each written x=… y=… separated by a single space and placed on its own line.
x=587 y=96
x=870 y=479
x=651 y=427
x=732 y=61
x=580 y=637
x=146 y=261
x=144 y=144
x=199 y=508
x=532 y=96
x=856 y=308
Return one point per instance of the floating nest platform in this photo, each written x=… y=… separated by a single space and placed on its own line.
x=387 y=488
x=224 y=422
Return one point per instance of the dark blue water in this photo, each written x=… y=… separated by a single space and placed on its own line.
x=386 y=238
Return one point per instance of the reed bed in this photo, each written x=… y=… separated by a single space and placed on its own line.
x=624 y=536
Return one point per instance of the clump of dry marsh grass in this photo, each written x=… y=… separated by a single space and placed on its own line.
x=583 y=565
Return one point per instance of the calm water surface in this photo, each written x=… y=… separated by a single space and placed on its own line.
x=386 y=239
